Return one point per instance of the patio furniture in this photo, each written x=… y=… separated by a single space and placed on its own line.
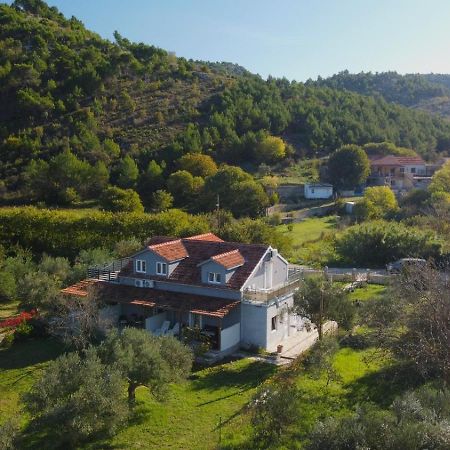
x=163 y=330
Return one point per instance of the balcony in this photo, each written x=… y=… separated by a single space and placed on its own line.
x=267 y=295
x=108 y=272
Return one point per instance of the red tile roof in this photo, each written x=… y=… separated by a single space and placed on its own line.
x=198 y=304
x=210 y=237
x=80 y=289
x=391 y=160
x=230 y=259
x=170 y=250
x=205 y=247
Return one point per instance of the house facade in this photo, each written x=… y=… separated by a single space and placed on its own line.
x=237 y=295
x=400 y=173
x=318 y=190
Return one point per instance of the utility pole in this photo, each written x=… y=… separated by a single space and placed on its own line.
x=218 y=212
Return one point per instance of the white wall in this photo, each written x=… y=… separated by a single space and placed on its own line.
x=155 y=322
x=274 y=337
x=256 y=326
x=230 y=336
x=318 y=192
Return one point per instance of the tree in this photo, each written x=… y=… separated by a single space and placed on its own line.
x=415 y=420
x=348 y=167
x=274 y=408
x=271 y=149
x=82 y=395
x=376 y=243
x=77 y=321
x=162 y=200
x=121 y=200
x=183 y=186
x=150 y=181
x=127 y=173
x=440 y=181
x=38 y=290
x=237 y=192
x=378 y=202
x=197 y=164
x=146 y=360
x=319 y=300
x=412 y=320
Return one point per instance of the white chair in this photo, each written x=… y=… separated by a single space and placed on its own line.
x=163 y=330
x=174 y=331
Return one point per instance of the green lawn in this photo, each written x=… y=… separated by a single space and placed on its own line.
x=19 y=367
x=308 y=245
x=189 y=418
x=8 y=309
x=309 y=229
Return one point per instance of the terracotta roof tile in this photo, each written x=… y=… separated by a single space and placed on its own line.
x=210 y=237
x=171 y=250
x=80 y=289
x=201 y=250
x=391 y=160
x=116 y=293
x=230 y=259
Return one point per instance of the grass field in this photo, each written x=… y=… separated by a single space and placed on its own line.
x=188 y=419
x=308 y=247
x=193 y=410
x=8 y=309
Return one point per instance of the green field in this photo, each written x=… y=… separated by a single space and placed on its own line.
x=311 y=240
x=193 y=410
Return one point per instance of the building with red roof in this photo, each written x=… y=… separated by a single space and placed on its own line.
x=400 y=173
x=232 y=293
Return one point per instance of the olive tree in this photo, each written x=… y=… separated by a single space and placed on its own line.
x=319 y=300
x=83 y=396
x=146 y=360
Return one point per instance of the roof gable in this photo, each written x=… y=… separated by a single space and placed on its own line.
x=198 y=249
x=171 y=250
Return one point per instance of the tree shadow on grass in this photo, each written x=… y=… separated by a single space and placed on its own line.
x=383 y=386
x=246 y=377
x=29 y=353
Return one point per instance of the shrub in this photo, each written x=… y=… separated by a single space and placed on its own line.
x=374 y=244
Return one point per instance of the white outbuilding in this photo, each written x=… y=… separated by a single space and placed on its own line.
x=318 y=190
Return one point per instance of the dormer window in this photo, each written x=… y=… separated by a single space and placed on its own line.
x=214 y=277
x=161 y=268
x=141 y=266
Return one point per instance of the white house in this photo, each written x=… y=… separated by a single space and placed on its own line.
x=318 y=190
x=235 y=294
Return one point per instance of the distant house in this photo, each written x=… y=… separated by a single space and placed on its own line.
x=235 y=294
x=318 y=190
x=400 y=173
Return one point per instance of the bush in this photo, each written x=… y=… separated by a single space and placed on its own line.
x=374 y=244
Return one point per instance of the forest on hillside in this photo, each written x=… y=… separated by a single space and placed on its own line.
x=127 y=123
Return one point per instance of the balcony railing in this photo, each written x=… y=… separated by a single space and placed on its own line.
x=267 y=295
x=108 y=272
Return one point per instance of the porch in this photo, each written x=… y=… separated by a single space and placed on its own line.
x=201 y=319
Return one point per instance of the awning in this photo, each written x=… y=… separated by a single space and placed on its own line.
x=176 y=301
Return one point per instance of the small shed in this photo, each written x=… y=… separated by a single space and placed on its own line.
x=318 y=190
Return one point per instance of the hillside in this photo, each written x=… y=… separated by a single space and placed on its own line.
x=80 y=112
x=427 y=92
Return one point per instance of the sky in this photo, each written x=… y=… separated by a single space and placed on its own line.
x=298 y=39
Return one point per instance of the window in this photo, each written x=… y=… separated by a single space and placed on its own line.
x=141 y=266
x=413 y=170
x=161 y=268
x=312 y=190
x=402 y=170
x=214 y=277
x=274 y=323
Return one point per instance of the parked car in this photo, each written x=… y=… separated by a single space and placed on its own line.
x=405 y=263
